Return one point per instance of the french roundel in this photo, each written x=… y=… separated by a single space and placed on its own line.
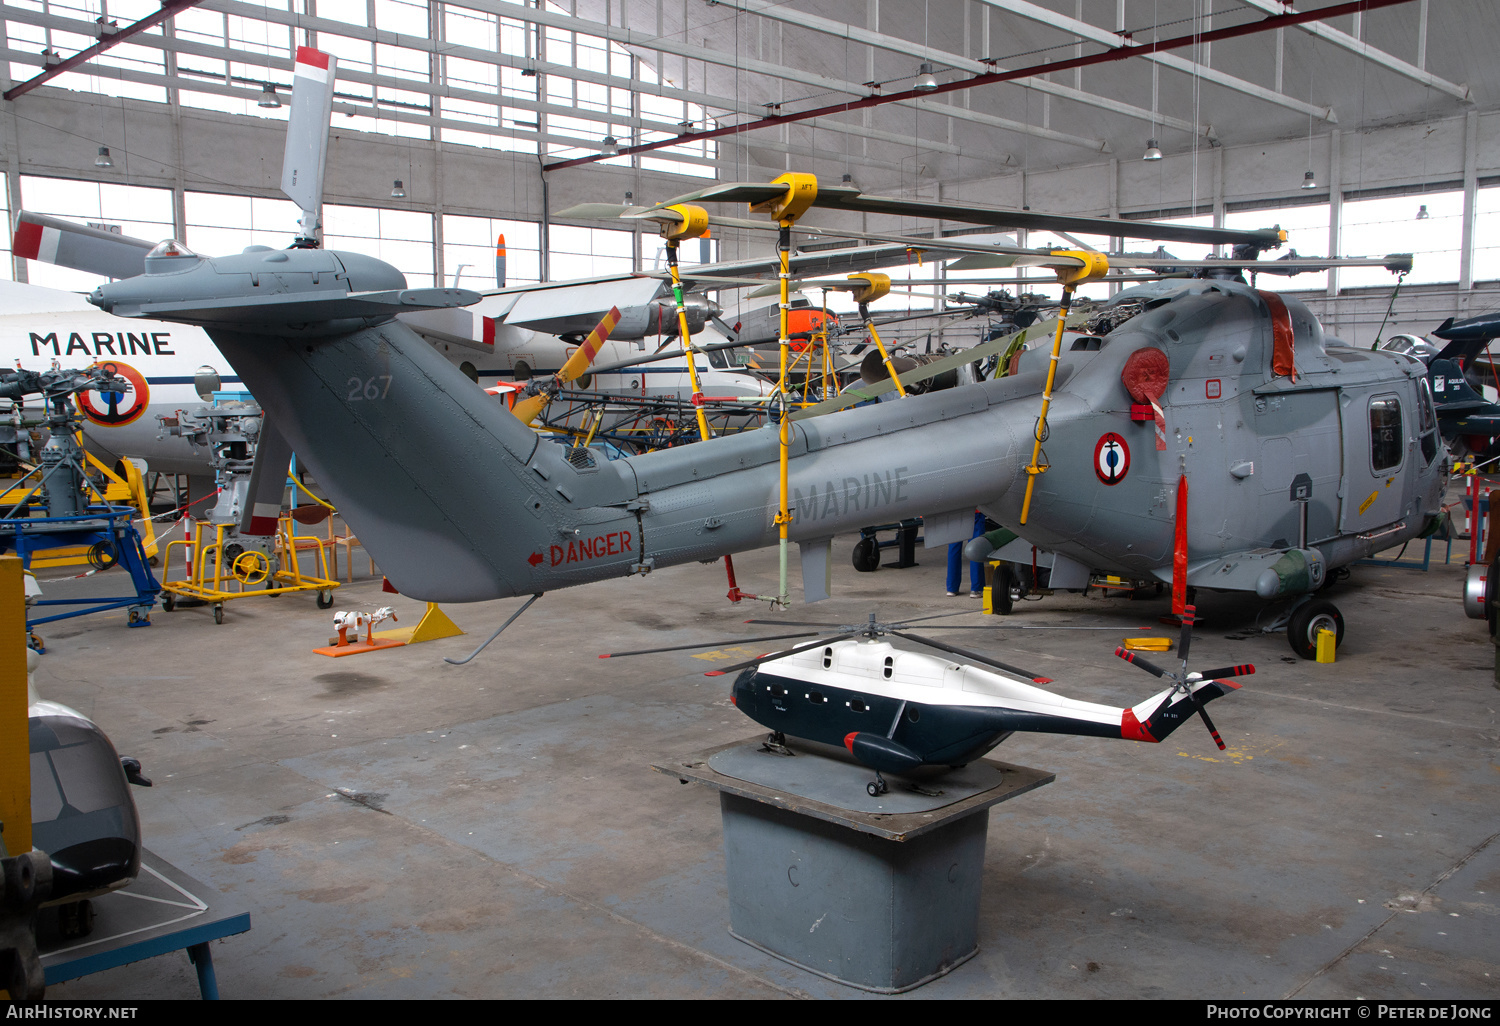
x=116 y=409
x=1111 y=458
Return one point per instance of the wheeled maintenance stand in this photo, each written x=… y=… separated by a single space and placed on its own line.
x=879 y=893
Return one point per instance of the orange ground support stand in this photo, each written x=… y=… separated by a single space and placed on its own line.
x=356 y=647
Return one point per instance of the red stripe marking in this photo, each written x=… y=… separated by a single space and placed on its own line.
x=1283 y=354
x=849 y=741
x=1179 y=550
x=317 y=58
x=1131 y=728
x=28 y=240
x=1041 y=680
x=489 y=331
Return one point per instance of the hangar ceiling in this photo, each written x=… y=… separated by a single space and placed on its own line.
x=732 y=62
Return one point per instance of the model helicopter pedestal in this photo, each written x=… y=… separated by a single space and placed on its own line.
x=880 y=900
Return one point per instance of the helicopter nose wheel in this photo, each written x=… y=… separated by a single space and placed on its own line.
x=1310 y=618
x=877 y=787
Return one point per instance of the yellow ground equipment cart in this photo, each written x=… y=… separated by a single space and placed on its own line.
x=219 y=570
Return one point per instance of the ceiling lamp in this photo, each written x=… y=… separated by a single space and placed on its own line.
x=1308 y=181
x=1153 y=151
x=610 y=147
x=103 y=159
x=268 y=97
x=1422 y=213
x=926 y=82
x=398 y=191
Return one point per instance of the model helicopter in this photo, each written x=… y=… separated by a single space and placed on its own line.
x=903 y=712
x=1306 y=454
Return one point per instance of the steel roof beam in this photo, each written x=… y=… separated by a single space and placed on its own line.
x=1108 y=55
x=894 y=44
x=168 y=8
x=1379 y=57
x=1095 y=34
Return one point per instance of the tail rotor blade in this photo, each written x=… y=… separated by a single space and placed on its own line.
x=1242 y=670
x=52 y=240
x=1135 y=660
x=273 y=454
x=500 y=262
x=306 y=157
x=531 y=407
x=1206 y=721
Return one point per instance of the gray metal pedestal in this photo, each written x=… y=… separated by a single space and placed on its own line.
x=882 y=894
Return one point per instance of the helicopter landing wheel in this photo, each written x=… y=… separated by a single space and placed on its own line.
x=867 y=555
x=1309 y=618
x=877 y=787
x=1002 y=601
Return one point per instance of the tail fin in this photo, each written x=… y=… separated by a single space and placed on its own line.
x=1163 y=713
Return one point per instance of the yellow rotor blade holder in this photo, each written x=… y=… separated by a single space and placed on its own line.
x=1095 y=265
x=801 y=190
x=694 y=223
x=876 y=286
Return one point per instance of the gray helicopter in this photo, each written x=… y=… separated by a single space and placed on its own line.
x=1303 y=454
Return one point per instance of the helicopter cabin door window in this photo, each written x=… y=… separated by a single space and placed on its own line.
x=1385 y=433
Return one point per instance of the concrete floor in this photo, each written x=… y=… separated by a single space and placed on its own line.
x=506 y=837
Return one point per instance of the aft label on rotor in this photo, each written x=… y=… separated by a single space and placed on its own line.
x=1111 y=458
x=116 y=409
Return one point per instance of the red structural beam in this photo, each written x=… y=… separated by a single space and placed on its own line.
x=1119 y=53
x=168 y=9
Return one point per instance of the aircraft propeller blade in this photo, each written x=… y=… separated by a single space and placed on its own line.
x=530 y=408
x=706 y=644
x=732 y=334
x=955 y=650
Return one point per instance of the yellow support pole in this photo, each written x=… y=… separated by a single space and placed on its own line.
x=1094 y=265
x=15 y=744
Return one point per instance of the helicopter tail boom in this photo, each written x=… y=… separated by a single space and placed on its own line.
x=1163 y=713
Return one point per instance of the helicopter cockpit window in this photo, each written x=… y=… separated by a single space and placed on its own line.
x=1385 y=433
x=729 y=359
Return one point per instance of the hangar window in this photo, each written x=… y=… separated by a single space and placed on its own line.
x=402 y=238
x=580 y=252
x=1306 y=228
x=7 y=267
x=1487 y=234
x=218 y=225
x=1389 y=223
x=469 y=251
x=1385 y=433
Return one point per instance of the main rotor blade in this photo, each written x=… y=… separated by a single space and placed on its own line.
x=1035 y=678
x=848 y=198
x=769 y=656
x=705 y=644
x=1203 y=712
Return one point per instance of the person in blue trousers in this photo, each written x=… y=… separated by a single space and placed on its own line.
x=976 y=570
